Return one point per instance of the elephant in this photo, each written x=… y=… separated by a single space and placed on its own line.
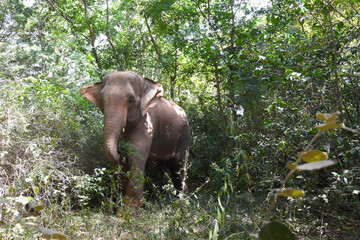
x=135 y=111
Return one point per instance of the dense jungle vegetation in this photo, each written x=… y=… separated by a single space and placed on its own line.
x=252 y=79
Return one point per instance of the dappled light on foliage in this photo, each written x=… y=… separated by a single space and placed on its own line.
x=315 y=160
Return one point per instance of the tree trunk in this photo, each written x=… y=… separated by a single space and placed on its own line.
x=220 y=108
x=337 y=91
x=218 y=91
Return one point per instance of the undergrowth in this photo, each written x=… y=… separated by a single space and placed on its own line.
x=55 y=181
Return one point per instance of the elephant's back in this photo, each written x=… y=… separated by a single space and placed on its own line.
x=168 y=111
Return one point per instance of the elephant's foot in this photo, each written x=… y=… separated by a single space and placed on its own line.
x=131 y=207
x=128 y=212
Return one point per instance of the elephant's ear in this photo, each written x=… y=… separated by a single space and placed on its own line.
x=92 y=92
x=151 y=95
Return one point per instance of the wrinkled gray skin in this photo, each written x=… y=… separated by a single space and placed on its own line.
x=135 y=111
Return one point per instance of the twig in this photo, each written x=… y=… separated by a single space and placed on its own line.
x=318 y=134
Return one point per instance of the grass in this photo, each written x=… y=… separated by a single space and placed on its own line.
x=165 y=219
x=193 y=218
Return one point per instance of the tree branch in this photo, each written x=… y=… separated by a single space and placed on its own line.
x=92 y=36
x=158 y=53
x=109 y=36
x=57 y=9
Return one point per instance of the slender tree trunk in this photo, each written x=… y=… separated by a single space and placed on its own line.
x=356 y=98
x=92 y=36
x=232 y=100
x=40 y=37
x=173 y=77
x=172 y=87
x=220 y=107
x=337 y=90
x=233 y=69
x=218 y=91
x=113 y=48
x=166 y=66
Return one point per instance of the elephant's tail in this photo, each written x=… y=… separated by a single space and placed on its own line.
x=194 y=155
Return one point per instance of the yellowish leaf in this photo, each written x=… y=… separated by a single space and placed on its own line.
x=328 y=125
x=327 y=117
x=292 y=192
x=329 y=120
x=39 y=207
x=291 y=166
x=35 y=189
x=312 y=156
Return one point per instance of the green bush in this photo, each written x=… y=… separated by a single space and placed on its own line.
x=44 y=149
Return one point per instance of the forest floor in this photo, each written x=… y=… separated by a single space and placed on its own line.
x=200 y=216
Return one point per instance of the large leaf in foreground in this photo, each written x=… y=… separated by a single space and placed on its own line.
x=313 y=156
x=328 y=125
x=50 y=234
x=329 y=120
x=292 y=192
x=276 y=231
x=316 y=165
x=328 y=117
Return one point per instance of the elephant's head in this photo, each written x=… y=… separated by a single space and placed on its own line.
x=123 y=98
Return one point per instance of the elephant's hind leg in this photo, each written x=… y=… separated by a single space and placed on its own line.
x=178 y=175
x=179 y=164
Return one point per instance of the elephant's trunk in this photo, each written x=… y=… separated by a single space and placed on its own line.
x=113 y=125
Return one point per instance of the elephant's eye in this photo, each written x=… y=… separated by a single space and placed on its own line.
x=131 y=100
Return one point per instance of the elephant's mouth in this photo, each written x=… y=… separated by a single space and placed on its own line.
x=120 y=147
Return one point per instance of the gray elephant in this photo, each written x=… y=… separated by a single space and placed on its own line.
x=135 y=111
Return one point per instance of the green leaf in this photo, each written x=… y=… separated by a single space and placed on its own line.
x=275 y=20
x=313 y=156
x=316 y=165
x=214 y=234
x=39 y=207
x=276 y=231
x=289 y=71
x=89 y=57
x=270 y=108
x=291 y=192
x=35 y=189
x=281 y=103
x=221 y=213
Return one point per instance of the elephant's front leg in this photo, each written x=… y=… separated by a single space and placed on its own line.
x=133 y=193
x=134 y=190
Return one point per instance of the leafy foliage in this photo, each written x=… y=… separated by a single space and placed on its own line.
x=251 y=81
